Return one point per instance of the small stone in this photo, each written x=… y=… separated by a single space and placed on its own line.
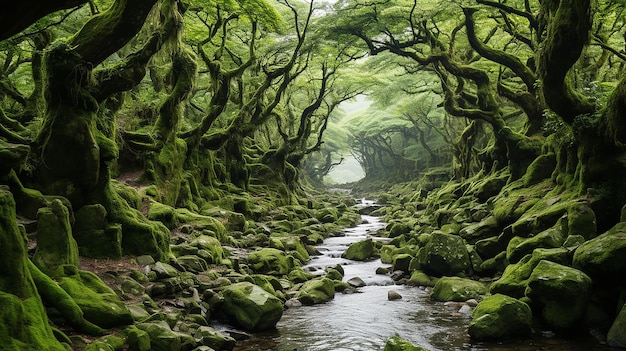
x=472 y=302
x=465 y=309
x=382 y=270
x=145 y=260
x=393 y=295
x=293 y=302
x=356 y=282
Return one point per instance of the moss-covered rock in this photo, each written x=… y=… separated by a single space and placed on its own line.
x=212 y=338
x=486 y=228
x=360 y=251
x=457 y=289
x=211 y=245
x=162 y=338
x=395 y=343
x=137 y=339
x=98 y=302
x=94 y=236
x=561 y=293
x=271 y=261
x=402 y=262
x=419 y=278
x=251 y=307
x=520 y=247
x=515 y=277
x=617 y=334
x=581 y=220
x=602 y=258
x=55 y=244
x=540 y=169
x=316 y=291
x=24 y=321
x=499 y=316
x=444 y=254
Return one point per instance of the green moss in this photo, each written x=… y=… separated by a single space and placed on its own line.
x=395 y=343
x=251 y=307
x=55 y=243
x=457 y=289
x=316 y=291
x=360 y=251
x=498 y=317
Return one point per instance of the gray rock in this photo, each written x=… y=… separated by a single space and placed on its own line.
x=393 y=295
x=356 y=282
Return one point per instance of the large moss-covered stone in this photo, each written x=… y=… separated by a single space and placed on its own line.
x=98 y=302
x=500 y=316
x=581 y=220
x=444 y=254
x=515 y=277
x=55 y=244
x=95 y=237
x=602 y=258
x=360 y=251
x=457 y=289
x=316 y=291
x=271 y=261
x=24 y=323
x=395 y=343
x=617 y=334
x=251 y=307
x=211 y=245
x=484 y=229
x=162 y=338
x=210 y=337
x=519 y=247
x=561 y=293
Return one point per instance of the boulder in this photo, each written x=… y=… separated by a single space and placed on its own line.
x=210 y=337
x=395 y=343
x=211 y=245
x=393 y=295
x=444 y=254
x=162 y=338
x=515 y=277
x=561 y=293
x=360 y=251
x=602 y=257
x=617 y=334
x=581 y=220
x=271 y=261
x=457 y=289
x=402 y=262
x=487 y=228
x=316 y=291
x=498 y=317
x=251 y=307
x=419 y=278
x=55 y=244
x=519 y=247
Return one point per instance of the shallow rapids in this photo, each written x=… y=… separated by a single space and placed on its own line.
x=364 y=320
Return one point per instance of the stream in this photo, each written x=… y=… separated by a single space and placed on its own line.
x=363 y=321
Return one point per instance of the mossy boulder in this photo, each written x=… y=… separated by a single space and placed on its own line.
x=395 y=343
x=561 y=293
x=444 y=254
x=581 y=220
x=402 y=262
x=294 y=245
x=419 y=278
x=486 y=228
x=602 y=258
x=98 y=302
x=515 y=277
x=316 y=291
x=211 y=245
x=251 y=307
x=519 y=247
x=94 y=236
x=271 y=261
x=55 y=244
x=24 y=321
x=360 y=251
x=162 y=338
x=207 y=336
x=457 y=289
x=498 y=317
x=617 y=334
x=540 y=169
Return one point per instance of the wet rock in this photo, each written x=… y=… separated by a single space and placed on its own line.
x=402 y=262
x=293 y=302
x=465 y=309
x=444 y=254
x=515 y=277
x=316 y=291
x=498 y=317
x=211 y=245
x=271 y=261
x=360 y=251
x=162 y=338
x=617 y=334
x=419 y=278
x=192 y=263
x=382 y=270
x=393 y=295
x=356 y=282
x=210 y=337
x=164 y=270
x=519 y=247
x=251 y=307
x=457 y=289
x=484 y=229
x=137 y=339
x=561 y=293
x=395 y=343
x=602 y=258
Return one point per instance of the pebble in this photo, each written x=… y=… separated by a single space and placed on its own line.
x=393 y=295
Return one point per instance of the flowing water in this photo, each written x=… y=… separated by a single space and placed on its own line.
x=362 y=321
